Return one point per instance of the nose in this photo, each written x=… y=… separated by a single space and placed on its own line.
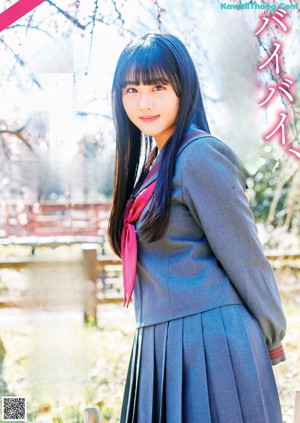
x=145 y=103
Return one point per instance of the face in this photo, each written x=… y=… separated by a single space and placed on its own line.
x=152 y=108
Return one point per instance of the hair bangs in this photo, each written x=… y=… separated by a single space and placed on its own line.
x=149 y=65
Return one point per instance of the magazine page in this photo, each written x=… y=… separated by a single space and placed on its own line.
x=149 y=184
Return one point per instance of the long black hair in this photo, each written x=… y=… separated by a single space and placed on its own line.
x=151 y=59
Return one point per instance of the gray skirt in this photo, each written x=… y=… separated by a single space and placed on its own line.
x=208 y=367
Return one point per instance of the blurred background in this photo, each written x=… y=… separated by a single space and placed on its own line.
x=65 y=338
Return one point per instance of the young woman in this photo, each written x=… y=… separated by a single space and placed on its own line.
x=208 y=312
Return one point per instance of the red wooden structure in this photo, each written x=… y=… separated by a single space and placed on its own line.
x=52 y=219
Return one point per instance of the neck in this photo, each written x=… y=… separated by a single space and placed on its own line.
x=161 y=139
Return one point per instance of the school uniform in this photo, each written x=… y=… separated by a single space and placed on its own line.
x=208 y=312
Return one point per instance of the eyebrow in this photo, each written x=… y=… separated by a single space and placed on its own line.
x=125 y=83
x=162 y=81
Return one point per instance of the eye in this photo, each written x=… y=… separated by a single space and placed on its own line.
x=158 y=87
x=131 y=90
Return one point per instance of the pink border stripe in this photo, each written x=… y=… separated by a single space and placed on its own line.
x=17 y=11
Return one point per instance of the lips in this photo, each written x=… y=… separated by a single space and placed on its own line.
x=149 y=118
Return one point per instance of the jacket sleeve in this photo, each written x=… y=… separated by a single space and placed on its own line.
x=213 y=190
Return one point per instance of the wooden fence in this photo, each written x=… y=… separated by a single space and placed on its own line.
x=52 y=219
x=105 y=269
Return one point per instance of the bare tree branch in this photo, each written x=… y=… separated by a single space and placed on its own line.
x=18 y=135
x=284 y=178
x=119 y=26
x=20 y=61
x=30 y=20
x=68 y=16
x=36 y=27
x=119 y=17
x=160 y=11
x=92 y=36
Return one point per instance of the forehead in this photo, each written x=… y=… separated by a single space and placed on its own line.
x=146 y=75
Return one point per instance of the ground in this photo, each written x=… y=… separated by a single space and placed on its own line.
x=63 y=367
x=88 y=367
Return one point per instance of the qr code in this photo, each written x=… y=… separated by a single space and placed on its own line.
x=14 y=408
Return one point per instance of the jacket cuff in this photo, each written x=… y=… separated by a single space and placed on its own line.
x=277 y=355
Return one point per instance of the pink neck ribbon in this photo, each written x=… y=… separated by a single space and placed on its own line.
x=128 y=239
x=133 y=211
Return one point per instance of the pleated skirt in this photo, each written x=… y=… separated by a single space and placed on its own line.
x=208 y=367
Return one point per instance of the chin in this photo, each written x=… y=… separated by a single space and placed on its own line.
x=149 y=134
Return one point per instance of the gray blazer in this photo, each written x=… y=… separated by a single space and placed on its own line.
x=210 y=255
